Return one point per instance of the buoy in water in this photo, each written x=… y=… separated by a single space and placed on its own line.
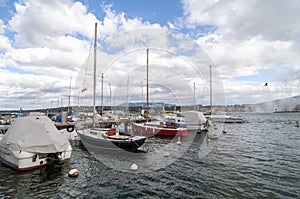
x=297 y=124
x=166 y=154
x=178 y=141
x=73 y=173
x=134 y=167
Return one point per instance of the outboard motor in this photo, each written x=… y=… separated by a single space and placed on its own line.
x=53 y=161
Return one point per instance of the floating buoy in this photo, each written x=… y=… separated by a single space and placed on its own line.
x=134 y=167
x=73 y=173
x=178 y=141
x=166 y=154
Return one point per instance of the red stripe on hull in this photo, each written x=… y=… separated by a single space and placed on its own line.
x=153 y=130
x=24 y=168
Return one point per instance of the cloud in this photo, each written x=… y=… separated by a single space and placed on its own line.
x=5 y=42
x=1 y=27
x=36 y=21
x=175 y=63
x=246 y=57
x=251 y=33
x=29 y=90
x=248 y=37
x=243 y=19
x=48 y=41
x=47 y=36
x=116 y=23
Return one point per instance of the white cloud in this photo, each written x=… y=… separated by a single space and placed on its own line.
x=254 y=32
x=5 y=44
x=248 y=36
x=246 y=57
x=4 y=41
x=1 y=27
x=117 y=23
x=171 y=25
x=50 y=42
x=35 y=21
x=175 y=63
x=30 y=90
x=272 y=19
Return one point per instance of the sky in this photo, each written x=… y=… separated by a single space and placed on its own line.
x=45 y=47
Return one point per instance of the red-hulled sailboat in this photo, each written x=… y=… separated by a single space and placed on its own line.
x=158 y=127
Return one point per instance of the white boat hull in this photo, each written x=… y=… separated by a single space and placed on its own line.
x=226 y=119
x=22 y=161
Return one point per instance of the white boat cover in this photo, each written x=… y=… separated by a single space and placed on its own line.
x=35 y=134
x=194 y=117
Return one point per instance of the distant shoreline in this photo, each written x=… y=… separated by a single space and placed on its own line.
x=286 y=112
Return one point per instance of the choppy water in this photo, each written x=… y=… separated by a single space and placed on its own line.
x=252 y=160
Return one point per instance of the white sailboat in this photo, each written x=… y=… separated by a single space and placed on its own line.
x=97 y=138
x=223 y=118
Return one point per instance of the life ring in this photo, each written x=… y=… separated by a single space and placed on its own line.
x=70 y=128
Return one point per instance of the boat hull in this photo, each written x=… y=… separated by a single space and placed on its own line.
x=226 y=119
x=94 y=144
x=24 y=161
x=157 y=130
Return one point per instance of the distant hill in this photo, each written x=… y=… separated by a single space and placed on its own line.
x=285 y=104
x=279 y=105
x=143 y=104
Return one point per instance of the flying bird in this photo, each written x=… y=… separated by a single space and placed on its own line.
x=266 y=84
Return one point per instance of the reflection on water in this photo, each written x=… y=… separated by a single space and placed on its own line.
x=252 y=160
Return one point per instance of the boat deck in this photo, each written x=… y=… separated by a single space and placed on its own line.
x=102 y=133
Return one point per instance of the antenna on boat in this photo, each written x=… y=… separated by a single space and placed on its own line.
x=95 y=59
x=147 y=88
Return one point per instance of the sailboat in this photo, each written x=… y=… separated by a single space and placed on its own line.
x=97 y=138
x=221 y=118
x=158 y=127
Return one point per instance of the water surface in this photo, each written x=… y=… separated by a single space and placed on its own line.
x=252 y=160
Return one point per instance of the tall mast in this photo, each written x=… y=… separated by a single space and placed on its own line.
x=127 y=96
x=102 y=93
x=110 y=97
x=95 y=59
x=147 y=88
x=210 y=86
x=69 y=100
x=142 y=95
x=194 y=96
